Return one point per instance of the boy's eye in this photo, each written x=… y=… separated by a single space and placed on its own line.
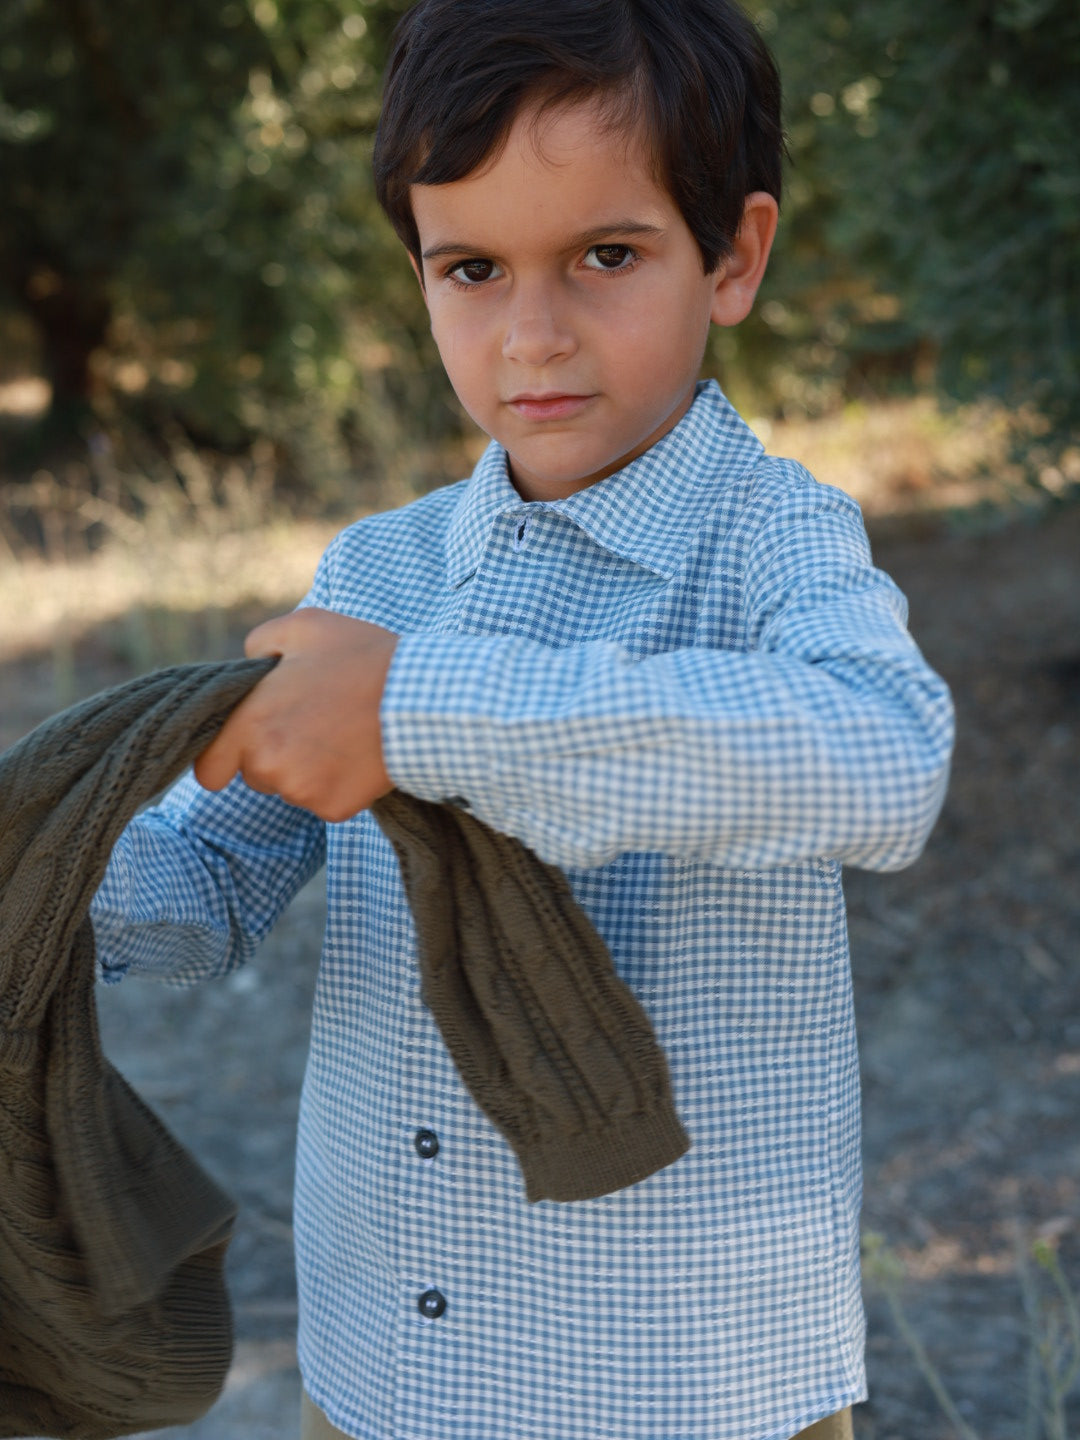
x=473 y=272
x=609 y=257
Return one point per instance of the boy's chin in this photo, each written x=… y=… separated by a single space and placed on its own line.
x=574 y=455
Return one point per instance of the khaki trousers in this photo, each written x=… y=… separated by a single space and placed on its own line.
x=315 y=1426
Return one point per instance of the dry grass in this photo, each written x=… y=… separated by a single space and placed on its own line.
x=189 y=574
x=912 y=457
x=200 y=547
x=192 y=537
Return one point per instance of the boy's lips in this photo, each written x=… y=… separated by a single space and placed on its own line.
x=547 y=405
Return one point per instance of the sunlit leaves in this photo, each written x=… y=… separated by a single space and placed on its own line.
x=934 y=200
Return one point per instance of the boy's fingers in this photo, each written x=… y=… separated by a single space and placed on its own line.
x=224 y=757
x=220 y=761
x=309 y=731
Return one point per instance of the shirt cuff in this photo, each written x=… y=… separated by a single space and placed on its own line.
x=437 y=689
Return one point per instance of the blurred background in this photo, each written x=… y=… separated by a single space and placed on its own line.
x=213 y=354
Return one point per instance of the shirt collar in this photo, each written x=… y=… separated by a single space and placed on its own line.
x=649 y=512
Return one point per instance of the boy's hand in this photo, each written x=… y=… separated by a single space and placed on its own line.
x=309 y=731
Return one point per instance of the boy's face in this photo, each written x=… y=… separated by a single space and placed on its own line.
x=567 y=297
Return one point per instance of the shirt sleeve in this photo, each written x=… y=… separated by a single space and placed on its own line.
x=827 y=737
x=194 y=884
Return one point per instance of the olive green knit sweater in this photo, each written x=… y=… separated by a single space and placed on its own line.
x=553 y=1047
x=113 y=1312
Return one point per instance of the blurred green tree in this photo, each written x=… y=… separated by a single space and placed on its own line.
x=189 y=220
x=933 y=215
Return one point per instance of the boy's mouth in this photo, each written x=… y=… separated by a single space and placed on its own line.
x=549 y=405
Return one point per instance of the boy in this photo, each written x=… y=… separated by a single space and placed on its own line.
x=662 y=660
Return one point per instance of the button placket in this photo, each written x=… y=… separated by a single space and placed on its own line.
x=424 y=1249
x=431 y=1302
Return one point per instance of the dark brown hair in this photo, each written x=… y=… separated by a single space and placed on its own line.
x=694 y=74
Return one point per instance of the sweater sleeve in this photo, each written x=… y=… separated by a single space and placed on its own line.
x=827 y=737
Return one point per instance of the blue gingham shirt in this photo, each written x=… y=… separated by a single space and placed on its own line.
x=688 y=686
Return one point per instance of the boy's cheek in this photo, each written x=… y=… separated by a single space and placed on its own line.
x=467 y=360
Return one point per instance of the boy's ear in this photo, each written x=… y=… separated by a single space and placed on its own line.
x=739 y=276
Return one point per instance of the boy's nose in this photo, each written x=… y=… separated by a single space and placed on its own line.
x=536 y=333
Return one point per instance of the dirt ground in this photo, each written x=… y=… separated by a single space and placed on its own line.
x=967 y=978
x=967 y=982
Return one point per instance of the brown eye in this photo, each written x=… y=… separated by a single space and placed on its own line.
x=473 y=272
x=608 y=257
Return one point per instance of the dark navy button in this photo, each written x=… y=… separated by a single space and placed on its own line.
x=431 y=1304
x=426 y=1143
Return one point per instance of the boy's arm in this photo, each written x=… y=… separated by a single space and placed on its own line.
x=198 y=880
x=828 y=737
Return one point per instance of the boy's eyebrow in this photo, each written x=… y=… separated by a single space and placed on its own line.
x=628 y=228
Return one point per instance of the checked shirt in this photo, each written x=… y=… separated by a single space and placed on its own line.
x=689 y=687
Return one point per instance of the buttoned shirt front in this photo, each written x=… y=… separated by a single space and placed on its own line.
x=689 y=687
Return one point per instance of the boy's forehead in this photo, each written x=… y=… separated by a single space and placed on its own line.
x=576 y=156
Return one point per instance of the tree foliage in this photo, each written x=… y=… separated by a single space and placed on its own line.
x=189 y=219
x=934 y=211
x=189 y=226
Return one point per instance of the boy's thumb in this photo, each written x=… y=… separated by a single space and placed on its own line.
x=220 y=761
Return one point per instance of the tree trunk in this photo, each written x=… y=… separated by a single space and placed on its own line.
x=73 y=321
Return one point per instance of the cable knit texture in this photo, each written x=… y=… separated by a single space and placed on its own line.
x=112 y=1239
x=551 y=1044
x=113 y=1311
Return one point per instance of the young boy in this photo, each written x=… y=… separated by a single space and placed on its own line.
x=661 y=659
